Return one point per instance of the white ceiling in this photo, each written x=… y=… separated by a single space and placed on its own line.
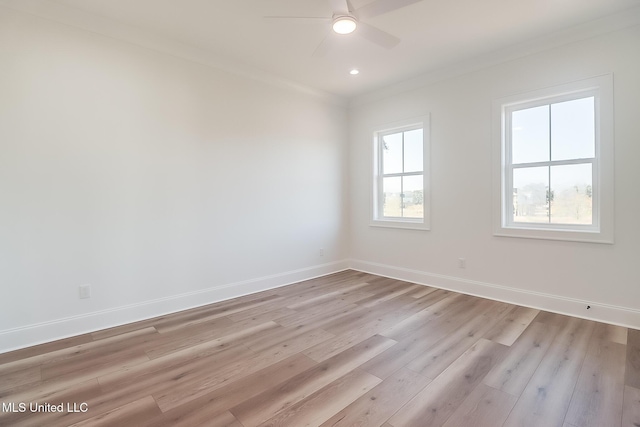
x=434 y=34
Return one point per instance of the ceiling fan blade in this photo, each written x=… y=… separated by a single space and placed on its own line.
x=318 y=19
x=379 y=7
x=339 y=6
x=350 y=6
x=324 y=47
x=376 y=35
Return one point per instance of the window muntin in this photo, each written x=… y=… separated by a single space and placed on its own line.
x=402 y=174
x=400 y=182
x=551 y=159
x=561 y=168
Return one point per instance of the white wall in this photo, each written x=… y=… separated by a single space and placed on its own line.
x=562 y=276
x=167 y=184
x=160 y=182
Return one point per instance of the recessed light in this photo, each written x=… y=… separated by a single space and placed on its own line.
x=344 y=24
x=354 y=72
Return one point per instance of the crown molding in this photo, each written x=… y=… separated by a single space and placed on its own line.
x=110 y=28
x=598 y=27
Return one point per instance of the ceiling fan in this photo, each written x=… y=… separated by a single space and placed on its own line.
x=347 y=20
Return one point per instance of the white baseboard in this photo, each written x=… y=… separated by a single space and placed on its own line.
x=26 y=336
x=606 y=313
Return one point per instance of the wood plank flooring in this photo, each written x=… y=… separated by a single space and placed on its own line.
x=348 y=349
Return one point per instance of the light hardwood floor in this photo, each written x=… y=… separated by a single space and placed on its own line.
x=349 y=349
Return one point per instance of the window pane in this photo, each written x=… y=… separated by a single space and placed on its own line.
x=413 y=151
x=530 y=135
x=391 y=202
x=530 y=187
x=573 y=129
x=571 y=194
x=392 y=153
x=413 y=196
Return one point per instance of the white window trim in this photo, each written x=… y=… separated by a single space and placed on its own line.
x=406 y=223
x=603 y=203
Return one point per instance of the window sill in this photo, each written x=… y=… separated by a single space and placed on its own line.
x=409 y=225
x=563 y=235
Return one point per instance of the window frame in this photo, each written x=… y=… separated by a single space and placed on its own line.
x=601 y=229
x=377 y=217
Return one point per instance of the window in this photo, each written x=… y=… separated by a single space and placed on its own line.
x=556 y=156
x=400 y=187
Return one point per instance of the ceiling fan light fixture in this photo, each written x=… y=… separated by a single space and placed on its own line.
x=344 y=24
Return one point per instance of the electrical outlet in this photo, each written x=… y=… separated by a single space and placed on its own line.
x=321 y=252
x=84 y=291
x=462 y=263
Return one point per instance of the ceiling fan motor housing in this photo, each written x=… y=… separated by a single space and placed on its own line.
x=344 y=24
